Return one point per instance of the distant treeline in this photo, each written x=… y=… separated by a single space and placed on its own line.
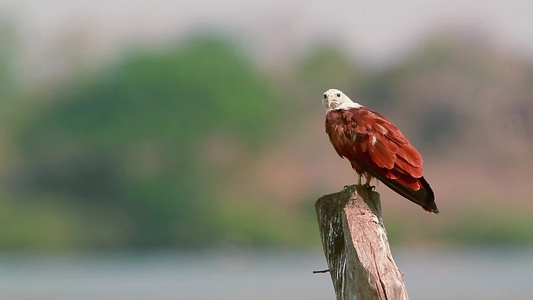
x=144 y=152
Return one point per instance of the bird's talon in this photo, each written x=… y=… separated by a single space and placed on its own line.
x=369 y=187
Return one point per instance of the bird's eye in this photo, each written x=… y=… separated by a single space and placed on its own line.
x=338 y=95
x=325 y=96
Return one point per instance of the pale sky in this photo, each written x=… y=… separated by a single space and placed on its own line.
x=375 y=31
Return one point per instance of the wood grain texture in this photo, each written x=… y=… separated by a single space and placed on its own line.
x=356 y=246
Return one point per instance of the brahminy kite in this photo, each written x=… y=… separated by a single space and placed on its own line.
x=376 y=148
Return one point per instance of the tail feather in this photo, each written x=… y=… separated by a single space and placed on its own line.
x=423 y=197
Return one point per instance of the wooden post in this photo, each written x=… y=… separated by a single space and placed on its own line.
x=356 y=246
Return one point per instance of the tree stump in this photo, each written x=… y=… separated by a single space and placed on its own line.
x=356 y=246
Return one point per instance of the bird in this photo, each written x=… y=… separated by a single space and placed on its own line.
x=376 y=148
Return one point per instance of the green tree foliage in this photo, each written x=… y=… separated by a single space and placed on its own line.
x=328 y=67
x=7 y=59
x=128 y=142
x=168 y=147
x=428 y=88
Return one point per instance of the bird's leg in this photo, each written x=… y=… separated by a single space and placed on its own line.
x=359 y=179
x=367 y=183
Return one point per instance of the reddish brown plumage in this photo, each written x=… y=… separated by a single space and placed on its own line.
x=376 y=147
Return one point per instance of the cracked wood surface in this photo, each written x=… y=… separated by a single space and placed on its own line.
x=356 y=246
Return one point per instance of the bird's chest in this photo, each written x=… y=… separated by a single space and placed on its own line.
x=347 y=140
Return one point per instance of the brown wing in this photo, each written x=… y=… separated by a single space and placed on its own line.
x=375 y=145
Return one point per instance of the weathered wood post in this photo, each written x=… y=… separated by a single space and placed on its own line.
x=356 y=246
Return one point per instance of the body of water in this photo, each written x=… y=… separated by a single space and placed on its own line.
x=444 y=274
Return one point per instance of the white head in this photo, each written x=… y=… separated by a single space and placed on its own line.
x=335 y=99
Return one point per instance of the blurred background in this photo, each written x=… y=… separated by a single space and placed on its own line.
x=175 y=149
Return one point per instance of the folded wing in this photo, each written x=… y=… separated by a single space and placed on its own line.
x=374 y=145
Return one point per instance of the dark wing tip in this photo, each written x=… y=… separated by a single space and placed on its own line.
x=429 y=202
x=432 y=208
x=423 y=197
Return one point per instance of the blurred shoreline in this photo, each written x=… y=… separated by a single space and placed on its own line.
x=468 y=273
